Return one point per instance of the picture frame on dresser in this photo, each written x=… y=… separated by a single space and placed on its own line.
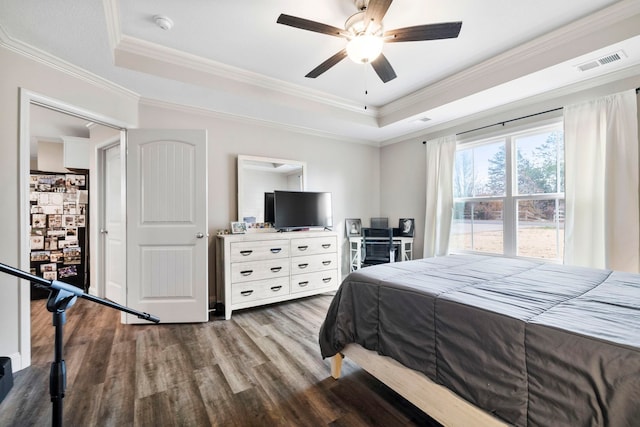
x=238 y=227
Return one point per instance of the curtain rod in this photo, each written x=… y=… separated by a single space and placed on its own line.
x=509 y=121
x=513 y=120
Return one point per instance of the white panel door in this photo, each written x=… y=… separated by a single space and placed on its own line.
x=167 y=224
x=113 y=227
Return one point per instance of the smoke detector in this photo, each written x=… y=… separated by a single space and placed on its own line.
x=163 y=22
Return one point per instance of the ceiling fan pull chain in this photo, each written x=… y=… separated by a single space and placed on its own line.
x=366 y=92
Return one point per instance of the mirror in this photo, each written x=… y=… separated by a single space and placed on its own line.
x=259 y=175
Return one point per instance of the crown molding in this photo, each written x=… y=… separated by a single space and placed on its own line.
x=188 y=109
x=599 y=22
x=61 y=65
x=112 y=18
x=142 y=49
x=613 y=82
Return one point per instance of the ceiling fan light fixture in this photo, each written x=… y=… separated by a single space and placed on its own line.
x=364 y=48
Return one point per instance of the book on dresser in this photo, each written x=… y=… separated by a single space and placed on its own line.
x=262 y=268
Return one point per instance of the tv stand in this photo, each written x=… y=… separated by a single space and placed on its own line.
x=262 y=268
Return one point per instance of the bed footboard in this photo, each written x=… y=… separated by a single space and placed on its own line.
x=435 y=400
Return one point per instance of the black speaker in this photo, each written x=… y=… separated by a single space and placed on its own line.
x=6 y=377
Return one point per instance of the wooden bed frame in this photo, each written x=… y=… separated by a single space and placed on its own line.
x=435 y=400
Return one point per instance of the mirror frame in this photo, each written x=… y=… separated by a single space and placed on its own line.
x=242 y=159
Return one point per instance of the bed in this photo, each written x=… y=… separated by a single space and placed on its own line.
x=481 y=340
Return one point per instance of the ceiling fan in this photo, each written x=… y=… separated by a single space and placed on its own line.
x=365 y=35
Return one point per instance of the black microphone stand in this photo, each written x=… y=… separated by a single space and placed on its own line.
x=62 y=297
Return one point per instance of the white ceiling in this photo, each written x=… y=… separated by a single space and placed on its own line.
x=231 y=57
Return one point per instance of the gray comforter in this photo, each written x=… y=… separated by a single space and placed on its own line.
x=535 y=344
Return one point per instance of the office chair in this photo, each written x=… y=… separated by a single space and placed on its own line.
x=377 y=246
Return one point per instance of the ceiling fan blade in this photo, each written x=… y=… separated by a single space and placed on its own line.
x=327 y=64
x=305 y=24
x=383 y=68
x=376 y=9
x=445 y=30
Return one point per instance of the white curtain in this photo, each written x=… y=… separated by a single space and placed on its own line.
x=439 y=207
x=602 y=224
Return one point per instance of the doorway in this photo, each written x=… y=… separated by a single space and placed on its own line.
x=68 y=120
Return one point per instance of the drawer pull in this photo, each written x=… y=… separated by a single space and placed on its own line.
x=303 y=248
x=303 y=284
x=276 y=269
x=326 y=279
x=326 y=262
x=246 y=293
x=246 y=272
x=246 y=253
x=326 y=245
x=276 y=288
x=301 y=266
x=275 y=250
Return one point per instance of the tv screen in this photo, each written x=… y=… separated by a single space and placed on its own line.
x=302 y=209
x=269 y=215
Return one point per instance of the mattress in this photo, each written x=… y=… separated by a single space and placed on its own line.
x=533 y=343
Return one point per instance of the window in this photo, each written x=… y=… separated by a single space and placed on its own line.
x=509 y=195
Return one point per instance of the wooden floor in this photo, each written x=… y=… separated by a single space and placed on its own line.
x=261 y=368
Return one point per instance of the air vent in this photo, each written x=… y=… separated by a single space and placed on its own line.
x=610 y=58
x=604 y=60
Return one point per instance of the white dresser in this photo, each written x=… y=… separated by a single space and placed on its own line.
x=262 y=268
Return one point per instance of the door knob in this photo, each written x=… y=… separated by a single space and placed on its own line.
x=104 y=231
x=199 y=235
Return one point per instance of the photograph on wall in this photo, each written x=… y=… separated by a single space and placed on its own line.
x=80 y=221
x=353 y=227
x=52 y=266
x=51 y=243
x=40 y=256
x=39 y=221
x=406 y=227
x=72 y=255
x=50 y=275
x=55 y=221
x=68 y=220
x=56 y=256
x=75 y=180
x=67 y=271
x=67 y=243
x=69 y=208
x=37 y=242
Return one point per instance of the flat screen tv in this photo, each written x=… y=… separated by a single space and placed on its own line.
x=269 y=215
x=296 y=210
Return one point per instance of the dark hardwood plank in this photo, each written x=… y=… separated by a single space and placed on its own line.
x=262 y=367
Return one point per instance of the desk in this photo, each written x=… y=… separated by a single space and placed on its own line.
x=403 y=246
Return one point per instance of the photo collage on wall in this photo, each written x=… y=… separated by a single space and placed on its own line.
x=59 y=205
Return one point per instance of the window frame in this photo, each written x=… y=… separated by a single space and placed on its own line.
x=510 y=200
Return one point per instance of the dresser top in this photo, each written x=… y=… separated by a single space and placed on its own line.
x=275 y=235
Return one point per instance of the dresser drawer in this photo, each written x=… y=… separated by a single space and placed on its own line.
x=314 y=245
x=310 y=281
x=256 y=250
x=258 y=270
x=311 y=263
x=259 y=289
